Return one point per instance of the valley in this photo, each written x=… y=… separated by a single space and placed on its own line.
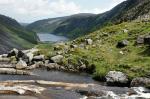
x=80 y=56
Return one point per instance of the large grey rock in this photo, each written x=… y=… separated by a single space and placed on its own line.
x=89 y=41
x=140 y=40
x=39 y=58
x=140 y=81
x=57 y=59
x=52 y=66
x=13 y=52
x=116 y=77
x=21 y=64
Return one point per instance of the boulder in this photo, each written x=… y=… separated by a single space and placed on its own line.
x=13 y=52
x=140 y=82
x=27 y=57
x=122 y=43
x=38 y=58
x=89 y=41
x=73 y=46
x=21 y=64
x=140 y=40
x=57 y=59
x=30 y=56
x=51 y=66
x=116 y=78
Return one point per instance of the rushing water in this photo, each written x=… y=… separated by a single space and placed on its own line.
x=47 y=37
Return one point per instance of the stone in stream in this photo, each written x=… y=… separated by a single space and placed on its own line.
x=51 y=66
x=140 y=81
x=21 y=64
x=13 y=52
x=57 y=59
x=27 y=57
x=20 y=89
x=12 y=71
x=5 y=59
x=38 y=58
x=116 y=78
x=7 y=66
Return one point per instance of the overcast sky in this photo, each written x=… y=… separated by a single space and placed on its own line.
x=32 y=10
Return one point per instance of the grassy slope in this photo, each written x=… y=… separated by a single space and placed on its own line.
x=13 y=35
x=105 y=56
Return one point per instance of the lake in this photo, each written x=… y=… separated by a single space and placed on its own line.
x=47 y=37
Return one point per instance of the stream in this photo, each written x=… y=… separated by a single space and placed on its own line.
x=58 y=92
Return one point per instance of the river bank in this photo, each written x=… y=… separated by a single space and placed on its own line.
x=55 y=83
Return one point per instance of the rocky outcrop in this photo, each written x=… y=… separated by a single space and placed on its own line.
x=116 y=78
x=21 y=64
x=57 y=59
x=138 y=82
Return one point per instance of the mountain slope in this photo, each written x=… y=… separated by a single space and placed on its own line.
x=13 y=35
x=81 y=24
x=69 y=26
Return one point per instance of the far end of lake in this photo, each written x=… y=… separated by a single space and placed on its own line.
x=47 y=37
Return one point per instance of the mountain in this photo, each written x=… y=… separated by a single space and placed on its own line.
x=69 y=26
x=84 y=23
x=13 y=35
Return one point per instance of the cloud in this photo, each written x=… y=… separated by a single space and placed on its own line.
x=31 y=10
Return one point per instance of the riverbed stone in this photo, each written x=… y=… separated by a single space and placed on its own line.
x=13 y=52
x=51 y=66
x=38 y=58
x=116 y=78
x=57 y=59
x=140 y=81
x=12 y=71
x=21 y=64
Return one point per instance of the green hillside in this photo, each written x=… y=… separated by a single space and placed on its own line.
x=13 y=35
x=104 y=54
x=81 y=24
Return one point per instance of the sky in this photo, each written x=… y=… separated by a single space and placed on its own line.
x=28 y=11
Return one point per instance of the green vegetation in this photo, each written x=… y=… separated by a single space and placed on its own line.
x=13 y=35
x=134 y=60
x=82 y=24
